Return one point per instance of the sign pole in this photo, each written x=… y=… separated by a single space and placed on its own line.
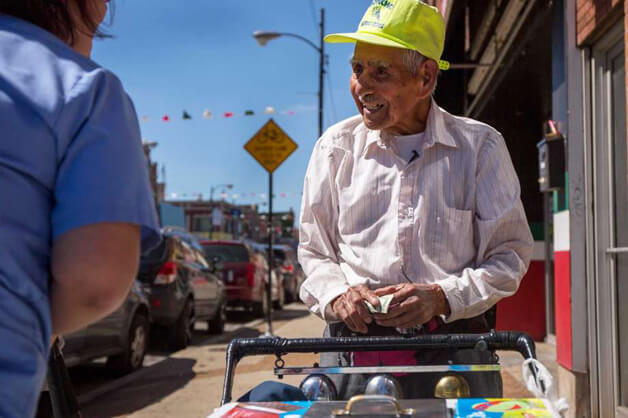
x=269 y=323
x=270 y=147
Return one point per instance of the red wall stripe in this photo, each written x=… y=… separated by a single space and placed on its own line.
x=525 y=310
x=562 y=301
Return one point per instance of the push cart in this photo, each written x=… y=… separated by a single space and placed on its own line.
x=383 y=398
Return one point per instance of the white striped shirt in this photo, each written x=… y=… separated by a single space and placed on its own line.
x=453 y=216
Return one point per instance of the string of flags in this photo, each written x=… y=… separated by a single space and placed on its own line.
x=207 y=114
x=235 y=196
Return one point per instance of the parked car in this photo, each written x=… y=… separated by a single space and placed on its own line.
x=122 y=336
x=285 y=260
x=245 y=274
x=183 y=288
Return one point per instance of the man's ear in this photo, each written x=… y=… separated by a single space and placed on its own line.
x=428 y=74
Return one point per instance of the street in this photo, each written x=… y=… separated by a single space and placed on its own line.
x=188 y=383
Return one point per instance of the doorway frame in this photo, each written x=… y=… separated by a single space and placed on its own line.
x=602 y=284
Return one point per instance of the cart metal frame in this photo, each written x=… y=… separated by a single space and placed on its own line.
x=494 y=340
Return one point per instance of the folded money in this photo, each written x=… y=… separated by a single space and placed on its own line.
x=384 y=303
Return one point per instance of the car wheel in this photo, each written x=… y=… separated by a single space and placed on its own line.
x=294 y=297
x=137 y=343
x=216 y=325
x=181 y=331
x=260 y=308
x=279 y=304
x=289 y=293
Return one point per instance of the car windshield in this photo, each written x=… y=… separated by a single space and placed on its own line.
x=279 y=255
x=228 y=253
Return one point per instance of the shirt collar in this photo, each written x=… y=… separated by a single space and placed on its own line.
x=436 y=130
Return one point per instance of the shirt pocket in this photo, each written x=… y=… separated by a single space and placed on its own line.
x=450 y=239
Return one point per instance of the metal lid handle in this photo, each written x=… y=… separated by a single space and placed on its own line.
x=358 y=399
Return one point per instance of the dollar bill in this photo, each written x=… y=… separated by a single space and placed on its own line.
x=384 y=303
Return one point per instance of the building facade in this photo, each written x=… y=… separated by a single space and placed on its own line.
x=555 y=70
x=223 y=220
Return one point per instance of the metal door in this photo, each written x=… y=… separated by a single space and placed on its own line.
x=610 y=194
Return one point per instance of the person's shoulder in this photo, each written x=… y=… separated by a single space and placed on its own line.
x=470 y=132
x=342 y=134
x=470 y=127
x=41 y=70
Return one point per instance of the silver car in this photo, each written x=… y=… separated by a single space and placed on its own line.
x=122 y=336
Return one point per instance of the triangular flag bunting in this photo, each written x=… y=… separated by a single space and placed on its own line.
x=269 y=110
x=228 y=114
x=249 y=113
x=186 y=115
x=166 y=118
x=207 y=114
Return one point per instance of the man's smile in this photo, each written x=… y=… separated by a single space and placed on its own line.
x=371 y=105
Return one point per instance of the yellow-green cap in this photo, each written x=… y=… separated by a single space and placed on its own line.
x=409 y=24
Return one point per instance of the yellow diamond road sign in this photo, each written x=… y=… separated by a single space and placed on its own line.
x=270 y=146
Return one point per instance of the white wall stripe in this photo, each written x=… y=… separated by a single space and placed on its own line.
x=561 y=231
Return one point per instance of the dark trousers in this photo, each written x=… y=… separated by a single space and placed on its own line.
x=421 y=385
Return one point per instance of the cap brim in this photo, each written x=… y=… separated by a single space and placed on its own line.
x=368 y=38
x=371 y=38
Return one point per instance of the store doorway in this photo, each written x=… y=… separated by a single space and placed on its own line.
x=610 y=194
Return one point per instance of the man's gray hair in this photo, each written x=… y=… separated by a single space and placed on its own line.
x=412 y=60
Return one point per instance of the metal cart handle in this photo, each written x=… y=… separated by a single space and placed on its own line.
x=495 y=340
x=373 y=398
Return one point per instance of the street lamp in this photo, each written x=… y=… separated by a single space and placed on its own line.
x=211 y=191
x=263 y=37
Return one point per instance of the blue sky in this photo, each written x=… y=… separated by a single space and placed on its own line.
x=175 y=55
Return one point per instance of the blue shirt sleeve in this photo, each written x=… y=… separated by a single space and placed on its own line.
x=102 y=171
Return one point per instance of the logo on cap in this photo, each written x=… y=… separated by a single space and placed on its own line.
x=376 y=13
x=383 y=3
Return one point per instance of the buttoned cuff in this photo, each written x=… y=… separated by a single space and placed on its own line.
x=330 y=295
x=454 y=297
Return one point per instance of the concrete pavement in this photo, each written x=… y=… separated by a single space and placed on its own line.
x=189 y=382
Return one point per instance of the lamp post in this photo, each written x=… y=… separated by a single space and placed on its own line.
x=211 y=191
x=262 y=37
x=211 y=201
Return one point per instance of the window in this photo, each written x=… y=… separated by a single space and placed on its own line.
x=228 y=253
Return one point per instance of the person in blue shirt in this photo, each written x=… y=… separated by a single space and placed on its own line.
x=75 y=202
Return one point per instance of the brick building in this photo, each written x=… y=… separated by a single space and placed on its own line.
x=231 y=221
x=283 y=222
x=157 y=187
x=517 y=65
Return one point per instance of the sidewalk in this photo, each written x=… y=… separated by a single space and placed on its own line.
x=514 y=387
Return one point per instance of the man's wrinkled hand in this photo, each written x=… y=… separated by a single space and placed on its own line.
x=412 y=305
x=350 y=307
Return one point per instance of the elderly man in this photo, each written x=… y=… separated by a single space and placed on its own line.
x=409 y=201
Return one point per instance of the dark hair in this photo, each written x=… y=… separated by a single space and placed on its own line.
x=52 y=15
